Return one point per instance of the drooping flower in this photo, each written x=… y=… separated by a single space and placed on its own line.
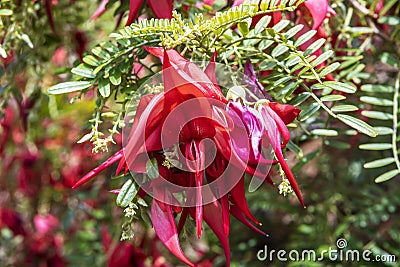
x=162 y=9
x=215 y=140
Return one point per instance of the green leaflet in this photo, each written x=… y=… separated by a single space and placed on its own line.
x=127 y=193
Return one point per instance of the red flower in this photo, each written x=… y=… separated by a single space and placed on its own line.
x=181 y=121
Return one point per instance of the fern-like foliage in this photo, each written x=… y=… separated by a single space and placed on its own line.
x=384 y=102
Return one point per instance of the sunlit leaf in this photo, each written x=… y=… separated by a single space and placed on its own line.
x=386 y=176
x=379 y=163
x=357 y=124
x=68 y=87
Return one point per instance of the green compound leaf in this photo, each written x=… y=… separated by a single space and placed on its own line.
x=357 y=124
x=325 y=132
x=379 y=163
x=152 y=168
x=104 y=88
x=344 y=108
x=377 y=101
x=376 y=146
x=305 y=37
x=127 y=193
x=68 y=87
x=386 y=176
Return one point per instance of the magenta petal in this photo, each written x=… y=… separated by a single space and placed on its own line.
x=239 y=197
x=213 y=217
x=121 y=165
x=100 y=10
x=182 y=219
x=274 y=137
x=49 y=12
x=198 y=149
x=237 y=213
x=318 y=10
x=117 y=156
x=210 y=71
x=185 y=75
x=114 y=191
x=283 y=130
x=162 y=9
x=225 y=213
x=134 y=6
x=247 y=132
x=251 y=82
x=165 y=228
x=237 y=3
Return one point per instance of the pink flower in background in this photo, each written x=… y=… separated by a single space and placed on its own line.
x=11 y=220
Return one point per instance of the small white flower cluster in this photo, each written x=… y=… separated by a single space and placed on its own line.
x=171 y=157
x=130 y=210
x=285 y=188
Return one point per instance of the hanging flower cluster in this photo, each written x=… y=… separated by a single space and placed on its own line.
x=198 y=137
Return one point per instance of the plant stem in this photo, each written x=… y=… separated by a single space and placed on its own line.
x=395 y=110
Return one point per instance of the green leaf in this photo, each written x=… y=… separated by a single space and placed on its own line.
x=115 y=78
x=101 y=53
x=262 y=24
x=378 y=115
x=338 y=86
x=293 y=61
x=357 y=124
x=332 y=98
x=243 y=28
x=360 y=30
x=343 y=108
x=388 y=5
x=391 y=20
x=309 y=111
x=91 y=60
x=152 y=168
x=296 y=149
x=337 y=144
x=104 y=88
x=322 y=58
x=267 y=64
x=375 y=146
x=376 y=101
x=389 y=59
x=279 y=50
x=379 y=163
x=386 y=176
x=377 y=88
x=27 y=40
x=304 y=38
x=300 y=98
x=325 y=132
x=68 y=87
x=83 y=71
x=145 y=217
x=350 y=132
x=127 y=193
x=329 y=69
x=292 y=32
x=314 y=46
x=6 y=12
x=281 y=80
x=281 y=25
x=3 y=52
x=383 y=130
x=264 y=44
